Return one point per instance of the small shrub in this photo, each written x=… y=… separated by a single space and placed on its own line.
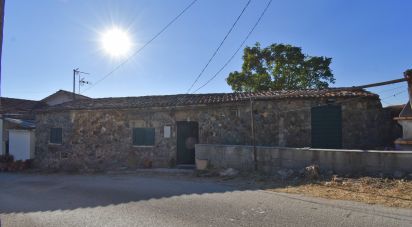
x=7 y=163
x=6 y=158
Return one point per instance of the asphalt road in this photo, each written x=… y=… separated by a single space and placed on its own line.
x=126 y=200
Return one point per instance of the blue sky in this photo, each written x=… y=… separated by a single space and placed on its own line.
x=369 y=41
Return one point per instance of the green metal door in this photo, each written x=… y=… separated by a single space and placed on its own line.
x=187 y=137
x=327 y=126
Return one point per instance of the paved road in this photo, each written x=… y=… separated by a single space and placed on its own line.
x=126 y=200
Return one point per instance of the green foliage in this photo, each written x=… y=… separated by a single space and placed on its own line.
x=280 y=67
x=408 y=72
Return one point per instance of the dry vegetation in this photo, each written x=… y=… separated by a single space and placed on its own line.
x=372 y=190
x=388 y=192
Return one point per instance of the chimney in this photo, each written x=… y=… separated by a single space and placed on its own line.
x=405 y=117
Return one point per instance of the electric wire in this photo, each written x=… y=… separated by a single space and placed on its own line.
x=238 y=49
x=142 y=47
x=220 y=45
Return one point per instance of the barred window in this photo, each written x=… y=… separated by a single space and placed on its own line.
x=56 y=135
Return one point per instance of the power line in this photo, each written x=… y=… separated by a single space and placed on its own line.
x=391 y=89
x=238 y=49
x=394 y=95
x=144 y=46
x=387 y=103
x=220 y=45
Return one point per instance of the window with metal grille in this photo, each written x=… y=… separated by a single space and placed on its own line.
x=234 y=113
x=143 y=136
x=56 y=135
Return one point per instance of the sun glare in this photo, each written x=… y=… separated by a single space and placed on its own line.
x=116 y=42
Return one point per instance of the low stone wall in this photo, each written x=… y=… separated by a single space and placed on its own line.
x=271 y=159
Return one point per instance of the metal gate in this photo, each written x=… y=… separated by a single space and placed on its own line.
x=327 y=126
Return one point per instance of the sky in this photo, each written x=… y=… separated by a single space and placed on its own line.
x=368 y=41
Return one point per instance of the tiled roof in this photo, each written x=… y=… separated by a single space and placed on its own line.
x=17 y=105
x=22 y=123
x=205 y=99
x=18 y=108
x=64 y=92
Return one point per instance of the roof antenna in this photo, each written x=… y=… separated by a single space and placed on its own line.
x=83 y=82
x=77 y=72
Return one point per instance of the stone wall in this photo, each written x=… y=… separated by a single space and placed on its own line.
x=391 y=129
x=271 y=159
x=102 y=139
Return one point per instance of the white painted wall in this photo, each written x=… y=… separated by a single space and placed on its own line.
x=406 y=128
x=21 y=144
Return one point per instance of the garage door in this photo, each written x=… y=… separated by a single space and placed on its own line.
x=21 y=144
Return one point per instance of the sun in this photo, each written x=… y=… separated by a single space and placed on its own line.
x=116 y=42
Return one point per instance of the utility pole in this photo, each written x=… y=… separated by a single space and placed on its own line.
x=74 y=82
x=252 y=129
x=2 y=2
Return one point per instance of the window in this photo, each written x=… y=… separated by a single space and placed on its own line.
x=234 y=113
x=143 y=136
x=56 y=135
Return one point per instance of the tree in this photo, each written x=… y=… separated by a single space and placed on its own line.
x=280 y=67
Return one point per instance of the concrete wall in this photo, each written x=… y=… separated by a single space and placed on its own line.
x=271 y=159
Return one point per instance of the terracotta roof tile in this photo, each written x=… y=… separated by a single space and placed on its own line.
x=204 y=99
x=17 y=105
x=68 y=93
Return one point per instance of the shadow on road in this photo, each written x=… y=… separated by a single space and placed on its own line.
x=20 y=193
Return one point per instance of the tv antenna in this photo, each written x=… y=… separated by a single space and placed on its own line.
x=82 y=80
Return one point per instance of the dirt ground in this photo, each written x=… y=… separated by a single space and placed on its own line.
x=387 y=192
x=172 y=198
x=371 y=190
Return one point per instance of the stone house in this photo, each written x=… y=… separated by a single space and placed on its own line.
x=15 y=114
x=18 y=114
x=160 y=131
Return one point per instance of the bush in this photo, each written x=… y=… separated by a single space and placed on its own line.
x=6 y=158
x=7 y=163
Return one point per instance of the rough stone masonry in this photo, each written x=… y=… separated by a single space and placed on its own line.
x=97 y=133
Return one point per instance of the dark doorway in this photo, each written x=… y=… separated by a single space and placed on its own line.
x=7 y=148
x=187 y=137
x=327 y=126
